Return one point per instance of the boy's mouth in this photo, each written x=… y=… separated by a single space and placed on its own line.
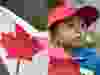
x=77 y=38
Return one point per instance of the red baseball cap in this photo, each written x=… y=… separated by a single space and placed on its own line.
x=58 y=13
x=85 y=12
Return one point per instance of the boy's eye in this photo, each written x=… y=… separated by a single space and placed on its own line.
x=70 y=25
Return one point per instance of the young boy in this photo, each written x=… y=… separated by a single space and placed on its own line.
x=65 y=32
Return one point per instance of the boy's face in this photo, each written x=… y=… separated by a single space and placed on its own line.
x=68 y=32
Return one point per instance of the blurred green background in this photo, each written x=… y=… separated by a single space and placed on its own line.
x=90 y=39
x=40 y=22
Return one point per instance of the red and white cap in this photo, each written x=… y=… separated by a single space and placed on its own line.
x=59 y=13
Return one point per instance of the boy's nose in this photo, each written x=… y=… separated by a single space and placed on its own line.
x=78 y=29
